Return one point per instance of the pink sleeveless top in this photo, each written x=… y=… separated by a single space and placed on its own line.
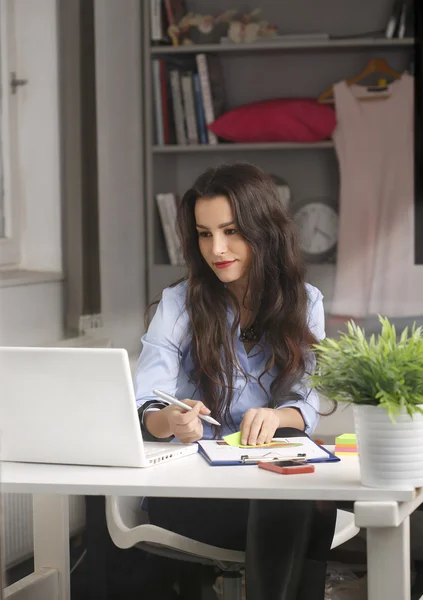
x=375 y=271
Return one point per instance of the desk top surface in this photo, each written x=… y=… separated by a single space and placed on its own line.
x=191 y=476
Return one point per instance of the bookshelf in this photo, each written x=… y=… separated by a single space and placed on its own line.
x=259 y=71
x=174 y=148
x=332 y=44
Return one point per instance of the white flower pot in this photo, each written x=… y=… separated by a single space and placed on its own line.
x=390 y=454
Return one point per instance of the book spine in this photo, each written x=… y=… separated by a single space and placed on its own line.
x=393 y=20
x=162 y=205
x=189 y=108
x=157 y=95
x=156 y=20
x=165 y=102
x=171 y=215
x=200 y=110
x=178 y=110
x=206 y=94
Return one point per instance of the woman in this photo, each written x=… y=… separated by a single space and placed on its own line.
x=234 y=340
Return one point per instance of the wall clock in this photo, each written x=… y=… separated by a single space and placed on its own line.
x=317 y=221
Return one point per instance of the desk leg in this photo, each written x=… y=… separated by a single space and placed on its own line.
x=388 y=562
x=51 y=538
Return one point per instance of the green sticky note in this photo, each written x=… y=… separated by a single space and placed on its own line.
x=346 y=438
x=234 y=439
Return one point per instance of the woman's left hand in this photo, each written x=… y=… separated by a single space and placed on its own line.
x=259 y=425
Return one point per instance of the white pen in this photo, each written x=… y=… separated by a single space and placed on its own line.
x=177 y=402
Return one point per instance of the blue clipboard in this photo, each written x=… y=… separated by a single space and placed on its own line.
x=330 y=456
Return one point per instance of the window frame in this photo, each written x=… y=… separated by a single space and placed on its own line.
x=10 y=244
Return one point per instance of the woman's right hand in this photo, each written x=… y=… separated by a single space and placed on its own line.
x=186 y=425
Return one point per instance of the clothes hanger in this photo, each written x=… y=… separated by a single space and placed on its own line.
x=375 y=65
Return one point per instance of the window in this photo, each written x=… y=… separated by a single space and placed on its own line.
x=9 y=193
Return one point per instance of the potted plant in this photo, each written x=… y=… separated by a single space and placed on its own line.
x=383 y=378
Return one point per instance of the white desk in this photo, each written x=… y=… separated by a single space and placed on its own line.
x=383 y=512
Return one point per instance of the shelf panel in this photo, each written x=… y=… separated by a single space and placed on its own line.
x=175 y=149
x=356 y=43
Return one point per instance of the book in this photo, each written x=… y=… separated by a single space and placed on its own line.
x=157 y=95
x=178 y=107
x=156 y=18
x=206 y=94
x=201 y=121
x=179 y=93
x=191 y=95
x=394 y=18
x=166 y=204
x=165 y=98
x=189 y=107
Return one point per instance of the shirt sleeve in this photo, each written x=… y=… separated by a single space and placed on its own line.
x=159 y=362
x=309 y=404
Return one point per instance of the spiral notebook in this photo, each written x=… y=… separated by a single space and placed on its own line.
x=218 y=453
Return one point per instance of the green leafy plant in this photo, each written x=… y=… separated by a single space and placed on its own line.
x=382 y=371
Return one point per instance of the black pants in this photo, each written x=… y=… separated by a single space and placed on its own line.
x=284 y=540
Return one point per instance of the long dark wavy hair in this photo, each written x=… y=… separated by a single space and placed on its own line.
x=276 y=292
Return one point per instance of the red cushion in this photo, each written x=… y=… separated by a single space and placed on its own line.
x=279 y=120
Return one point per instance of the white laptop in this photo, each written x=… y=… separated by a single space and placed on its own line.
x=74 y=406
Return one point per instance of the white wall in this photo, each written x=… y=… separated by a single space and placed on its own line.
x=38 y=133
x=342 y=421
x=32 y=314
x=120 y=163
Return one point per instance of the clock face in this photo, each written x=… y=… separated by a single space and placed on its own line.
x=318 y=227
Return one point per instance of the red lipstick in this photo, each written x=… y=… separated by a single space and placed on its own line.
x=224 y=264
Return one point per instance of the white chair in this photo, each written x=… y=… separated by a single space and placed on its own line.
x=128 y=527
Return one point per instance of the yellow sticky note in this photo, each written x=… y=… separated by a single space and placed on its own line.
x=234 y=439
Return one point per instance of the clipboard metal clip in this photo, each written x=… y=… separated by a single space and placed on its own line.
x=270 y=457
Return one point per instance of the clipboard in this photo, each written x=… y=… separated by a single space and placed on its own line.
x=317 y=454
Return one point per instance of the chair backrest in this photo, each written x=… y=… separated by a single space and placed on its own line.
x=130 y=511
x=124 y=517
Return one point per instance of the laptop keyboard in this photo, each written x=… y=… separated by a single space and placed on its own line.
x=158 y=448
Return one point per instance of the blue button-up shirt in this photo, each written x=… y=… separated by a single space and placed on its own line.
x=165 y=363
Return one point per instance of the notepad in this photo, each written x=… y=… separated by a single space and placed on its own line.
x=346 y=445
x=234 y=439
x=301 y=448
